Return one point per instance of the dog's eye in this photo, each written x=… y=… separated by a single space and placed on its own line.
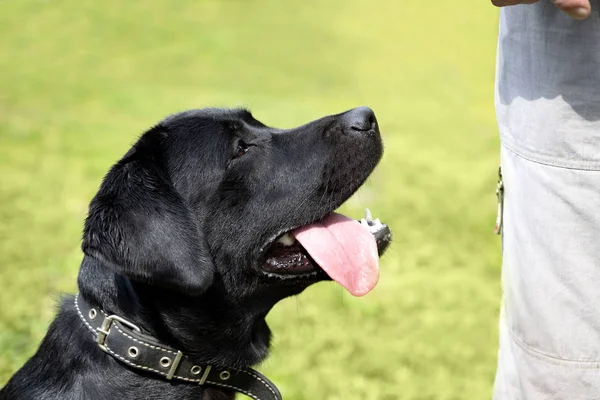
x=241 y=149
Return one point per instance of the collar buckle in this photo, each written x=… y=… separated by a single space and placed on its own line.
x=104 y=329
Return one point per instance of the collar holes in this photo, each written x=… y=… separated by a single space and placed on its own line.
x=224 y=375
x=195 y=370
x=165 y=362
x=133 y=352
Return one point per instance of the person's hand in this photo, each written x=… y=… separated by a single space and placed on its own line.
x=578 y=9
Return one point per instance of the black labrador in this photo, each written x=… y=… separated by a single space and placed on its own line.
x=207 y=221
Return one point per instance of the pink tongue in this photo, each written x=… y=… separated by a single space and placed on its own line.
x=346 y=251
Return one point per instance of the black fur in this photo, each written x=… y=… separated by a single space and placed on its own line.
x=175 y=238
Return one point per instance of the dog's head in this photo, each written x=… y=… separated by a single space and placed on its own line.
x=215 y=199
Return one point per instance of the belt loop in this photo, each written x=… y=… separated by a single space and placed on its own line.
x=205 y=374
x=174 y=365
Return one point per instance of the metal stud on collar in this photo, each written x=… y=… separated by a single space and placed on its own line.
x=224 y=375
x=165 y=362
x=196 y=370
x=133 y=352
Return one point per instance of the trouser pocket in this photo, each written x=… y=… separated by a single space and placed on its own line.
x=550 y=225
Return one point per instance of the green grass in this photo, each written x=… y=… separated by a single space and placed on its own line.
x=79 y=80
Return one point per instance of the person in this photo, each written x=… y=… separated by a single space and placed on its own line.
x=548 y=109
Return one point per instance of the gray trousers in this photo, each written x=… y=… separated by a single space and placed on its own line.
x=550 y=322
x=548 y=109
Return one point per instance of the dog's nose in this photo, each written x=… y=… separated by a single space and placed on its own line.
x=360 y=119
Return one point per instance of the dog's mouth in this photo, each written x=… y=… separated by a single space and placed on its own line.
x=342 y=248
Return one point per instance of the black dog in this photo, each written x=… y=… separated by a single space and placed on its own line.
x=207 y=222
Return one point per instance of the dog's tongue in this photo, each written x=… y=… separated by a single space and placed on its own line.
x=345 y=250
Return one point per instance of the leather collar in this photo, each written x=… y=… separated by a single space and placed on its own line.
x=125 y=342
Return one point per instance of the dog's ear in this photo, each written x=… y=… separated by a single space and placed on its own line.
x=142 y=228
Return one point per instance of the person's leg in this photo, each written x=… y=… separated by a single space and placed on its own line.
x=550 y=323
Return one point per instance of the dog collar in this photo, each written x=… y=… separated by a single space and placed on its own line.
x=125 y=342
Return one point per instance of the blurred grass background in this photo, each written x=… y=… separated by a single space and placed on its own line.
x=79 y=80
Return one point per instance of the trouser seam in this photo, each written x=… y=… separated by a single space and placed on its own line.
x=542 y=356
x=582 y=165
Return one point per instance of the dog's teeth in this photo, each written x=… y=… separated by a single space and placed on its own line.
x=377 y=222
x=375 y=228
x=284 y=277
x=287 y=240
x=364 y=222
x=368 y=215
